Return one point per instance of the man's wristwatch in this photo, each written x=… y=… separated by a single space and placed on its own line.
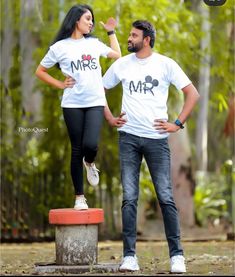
x=179 y=123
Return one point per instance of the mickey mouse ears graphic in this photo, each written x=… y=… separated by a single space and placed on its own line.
x=214 y=2
x=149 y=79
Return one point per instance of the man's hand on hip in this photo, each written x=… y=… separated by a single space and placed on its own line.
x=165 y=127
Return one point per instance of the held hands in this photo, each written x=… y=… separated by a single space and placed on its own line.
x=110 y=24
x=69 y=82
x=165 y=127
x=117 y=121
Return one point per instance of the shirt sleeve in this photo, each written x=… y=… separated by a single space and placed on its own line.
x=111 y=78
x=177 y=77
x=104 y=49
x=49 y=59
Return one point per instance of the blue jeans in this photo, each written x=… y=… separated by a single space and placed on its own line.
x=156 y=152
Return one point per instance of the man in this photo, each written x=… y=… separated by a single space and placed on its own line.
x=143 y=131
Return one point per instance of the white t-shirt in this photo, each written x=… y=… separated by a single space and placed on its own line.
x=79 y=58
x=145 y=90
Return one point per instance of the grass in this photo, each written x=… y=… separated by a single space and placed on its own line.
x=202 y=258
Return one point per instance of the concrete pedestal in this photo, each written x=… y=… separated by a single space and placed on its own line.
x=76 y=238
x=76 y=245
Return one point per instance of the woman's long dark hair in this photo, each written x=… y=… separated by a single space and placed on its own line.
x=69 y=23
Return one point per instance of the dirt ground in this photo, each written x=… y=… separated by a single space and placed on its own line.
x=202 y=258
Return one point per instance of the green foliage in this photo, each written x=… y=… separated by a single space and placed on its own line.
x=213 y=195
x=222 y=83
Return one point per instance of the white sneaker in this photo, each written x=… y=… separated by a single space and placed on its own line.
x=92 y=173
x=129 y=263
x=177 y=264
x=80 y=203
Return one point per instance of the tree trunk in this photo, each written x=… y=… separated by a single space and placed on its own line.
x=182 y=177
x=8 y=42
x=31 y=99
x=204 y=84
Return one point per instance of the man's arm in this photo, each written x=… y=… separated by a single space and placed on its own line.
x=114 y=121
x=191 y=98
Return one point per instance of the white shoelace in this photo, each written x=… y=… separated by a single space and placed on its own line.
x=94 y=169
x=81 y=200
x=130 y=259
x=178 y=258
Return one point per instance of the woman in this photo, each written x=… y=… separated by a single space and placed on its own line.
x=77 y=54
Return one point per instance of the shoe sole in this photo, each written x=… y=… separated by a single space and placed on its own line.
x=128 y=270
x=92 y=184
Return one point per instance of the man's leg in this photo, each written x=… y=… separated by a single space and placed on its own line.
x=130 y=162
x=157 y=155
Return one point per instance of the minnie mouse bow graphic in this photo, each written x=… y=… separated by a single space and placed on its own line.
x=86 y=57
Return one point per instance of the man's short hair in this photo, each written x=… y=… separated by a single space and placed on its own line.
x=147 y=28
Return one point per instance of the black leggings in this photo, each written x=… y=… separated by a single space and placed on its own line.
x=84 y=125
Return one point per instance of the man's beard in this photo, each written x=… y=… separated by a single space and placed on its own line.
x=135 y=47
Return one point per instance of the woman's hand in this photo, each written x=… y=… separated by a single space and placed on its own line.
x=110 y=25
x=69 y=82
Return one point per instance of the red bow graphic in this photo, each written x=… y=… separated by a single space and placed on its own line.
x=86 y=57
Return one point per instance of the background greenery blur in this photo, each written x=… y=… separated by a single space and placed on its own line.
x=35 y=172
